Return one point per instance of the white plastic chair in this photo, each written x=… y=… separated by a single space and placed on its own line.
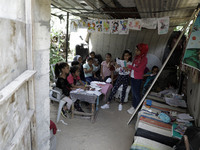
x=56 y=94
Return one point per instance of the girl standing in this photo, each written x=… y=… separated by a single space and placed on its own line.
x=137 y=72
x=123 y=79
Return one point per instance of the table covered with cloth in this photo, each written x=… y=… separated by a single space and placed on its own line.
x=83 y=96
x=106 y=89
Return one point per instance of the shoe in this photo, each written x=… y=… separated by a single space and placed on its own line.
x=131 y=110
x=105 y=106
x=63 y=113
x=120 y=107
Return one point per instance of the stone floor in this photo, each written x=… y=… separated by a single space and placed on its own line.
x=109 y=132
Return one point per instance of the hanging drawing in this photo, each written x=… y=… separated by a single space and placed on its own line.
x=115 y=26
x=82 y=23
x=106 y=26
x=192 y=53
x=123 y=27
x=73 y=25
x=99 y=26
x=91 y=25
x=163 y=25
x=149 y=23
x=134 y=24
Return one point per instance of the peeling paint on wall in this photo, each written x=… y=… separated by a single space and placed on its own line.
x=12 y=50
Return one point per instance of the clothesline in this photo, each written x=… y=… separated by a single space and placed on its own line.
x=121 y=26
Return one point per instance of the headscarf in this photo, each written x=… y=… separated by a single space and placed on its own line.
x=76 y=57
x=143 y=52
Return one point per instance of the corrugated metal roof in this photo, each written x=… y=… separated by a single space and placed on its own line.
x=179 y=11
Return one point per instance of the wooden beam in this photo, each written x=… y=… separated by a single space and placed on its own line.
x=30 y=66
x=82 y=113
x=67 y=36
x=11 y=88
x=20 y=132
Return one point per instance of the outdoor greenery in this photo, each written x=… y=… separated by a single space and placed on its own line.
x=57 y=47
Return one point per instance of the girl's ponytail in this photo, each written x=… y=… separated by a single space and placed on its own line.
x=59 y=67
x=57 y=70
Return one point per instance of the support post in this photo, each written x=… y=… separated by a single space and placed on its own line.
x=67 y=36
x=30 y=65
x=142 y=100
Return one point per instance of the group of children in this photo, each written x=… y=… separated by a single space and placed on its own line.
x=79 y=75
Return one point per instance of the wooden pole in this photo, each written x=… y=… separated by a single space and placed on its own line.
x=195 y=12
x=67 y=36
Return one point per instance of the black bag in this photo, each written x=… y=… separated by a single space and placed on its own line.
x=193 y=134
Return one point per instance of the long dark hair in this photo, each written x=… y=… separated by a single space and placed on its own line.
x=127 y=51
x=73 y=69
x=58 y=68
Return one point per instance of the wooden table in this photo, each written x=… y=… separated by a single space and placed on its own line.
x=84 y=96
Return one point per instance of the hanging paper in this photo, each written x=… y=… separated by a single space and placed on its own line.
x=192 y=54
x=163 y=25
x=99 y=26
x=106 y=26
x=82 y=24
x=149 y=23
x=134 y=24
x=91 y=26
x=114 y=26
x=73 y=25
x=123 y=27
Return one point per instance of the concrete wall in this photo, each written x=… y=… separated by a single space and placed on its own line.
x=13 y=63
x=41 y=45
x=115 y=44
x=14 y=49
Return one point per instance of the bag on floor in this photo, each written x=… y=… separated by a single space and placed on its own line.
x=193 y=140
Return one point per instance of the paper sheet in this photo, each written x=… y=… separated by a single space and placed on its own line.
x=175 y=102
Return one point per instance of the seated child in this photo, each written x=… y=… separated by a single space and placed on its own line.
x=74 y=78
x=79 y=63
x=95 y=63
x=106 y=68
x=89 y=70
x=150 y=77
x=61 y=72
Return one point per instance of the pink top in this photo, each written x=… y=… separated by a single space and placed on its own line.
x=70 y=79
x=106 y=69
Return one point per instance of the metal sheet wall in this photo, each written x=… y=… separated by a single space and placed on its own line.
x=116 y=44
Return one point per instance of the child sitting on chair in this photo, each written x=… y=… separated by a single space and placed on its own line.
x=61 y=72
x=150 y=77
x=74 y=78
x=89 y=70
x=78 y=60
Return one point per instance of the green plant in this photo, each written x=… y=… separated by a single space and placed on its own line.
x=56 y=48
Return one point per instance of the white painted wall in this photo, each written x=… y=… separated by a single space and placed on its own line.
x=14 y=49
x=115 y=44
x=41 y=45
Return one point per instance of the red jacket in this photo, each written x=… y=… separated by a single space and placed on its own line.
x=138 y=70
